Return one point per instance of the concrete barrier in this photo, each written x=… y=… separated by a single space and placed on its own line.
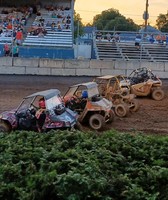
x=86 y=67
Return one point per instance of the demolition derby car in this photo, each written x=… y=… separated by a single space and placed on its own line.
x=144 y=83
x=116 y=89
x=41 y=111
x=92 y=108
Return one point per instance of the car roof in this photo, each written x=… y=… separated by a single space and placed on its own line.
x=105 y=77
x=46 y=93
x=109 y=76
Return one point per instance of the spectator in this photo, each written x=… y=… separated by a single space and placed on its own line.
x=166 y=39
x=117 y=37
x=151 y=39
x=19 y=37
x=6 y=49
x=158 y=38
x=68 y=21
x=9 y=26
x=53 y=26
x=1 y=31
x=15 y=50
x=54 y=15
x=137 y=41
x=48 y=23
x=99 y=36
x=108 y=35
x=59 y=28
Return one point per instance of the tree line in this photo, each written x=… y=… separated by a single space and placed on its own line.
x=111 y=20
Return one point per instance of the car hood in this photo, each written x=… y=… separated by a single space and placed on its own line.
x=104 y=103
x=7 y=114
x=67 y=116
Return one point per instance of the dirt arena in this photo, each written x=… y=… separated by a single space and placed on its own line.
x=152 y=116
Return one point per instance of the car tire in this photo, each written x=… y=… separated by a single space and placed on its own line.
x=97 y=122
x=4 y=127
x=134 y=105
x=121 y=110
x=157 y=94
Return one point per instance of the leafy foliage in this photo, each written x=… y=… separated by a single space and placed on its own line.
x=75 y=165
x=162 y=22
x=111 y=19
x=78 y=25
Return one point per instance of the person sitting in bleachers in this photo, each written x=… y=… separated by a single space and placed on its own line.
x=53 y=26
x=68 y=21
x=1 y=31
x=41 y=20
x=59 y=28
x=151 y=39
x=108 y=35
x=9 y=26
x=54 y=15
x=99 y=36
x=48 y=23
x=63 y=20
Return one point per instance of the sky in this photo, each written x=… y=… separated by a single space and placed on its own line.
x=133 y=9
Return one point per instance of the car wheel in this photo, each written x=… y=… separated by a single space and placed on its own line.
x=121 y=110
x=97 y=122
x=4 y=127
x=134 y=105
x=157 y=94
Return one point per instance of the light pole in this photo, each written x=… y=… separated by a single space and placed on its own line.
x=146 y=15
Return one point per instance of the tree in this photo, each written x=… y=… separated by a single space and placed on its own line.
x=162 y=22
x=111 y=19
x=78 y=25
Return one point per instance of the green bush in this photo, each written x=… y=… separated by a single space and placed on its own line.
x=80 y=166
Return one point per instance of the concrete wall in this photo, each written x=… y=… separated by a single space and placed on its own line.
x=74 y=67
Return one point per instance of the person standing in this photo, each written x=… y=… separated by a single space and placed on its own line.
x=19 y=37
x=6 y=49
x=15 y=50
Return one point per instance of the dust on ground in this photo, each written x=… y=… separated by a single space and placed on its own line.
x=152 y=116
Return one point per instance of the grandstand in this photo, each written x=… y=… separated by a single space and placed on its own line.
x=125 y=49
x=41 y=39
x=48 y=32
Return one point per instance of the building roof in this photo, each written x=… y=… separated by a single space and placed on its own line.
x=149 y=29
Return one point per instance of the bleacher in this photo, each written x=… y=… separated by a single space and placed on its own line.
x=57 y=39
x=53 y=38
x=158 y=52
x=108 y=51
x=130 y=51
x=127 y=51
x=11 y=14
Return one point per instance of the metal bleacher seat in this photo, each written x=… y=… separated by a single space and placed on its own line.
x=55 y=38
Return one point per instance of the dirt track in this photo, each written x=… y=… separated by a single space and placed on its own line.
x=151 y=117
